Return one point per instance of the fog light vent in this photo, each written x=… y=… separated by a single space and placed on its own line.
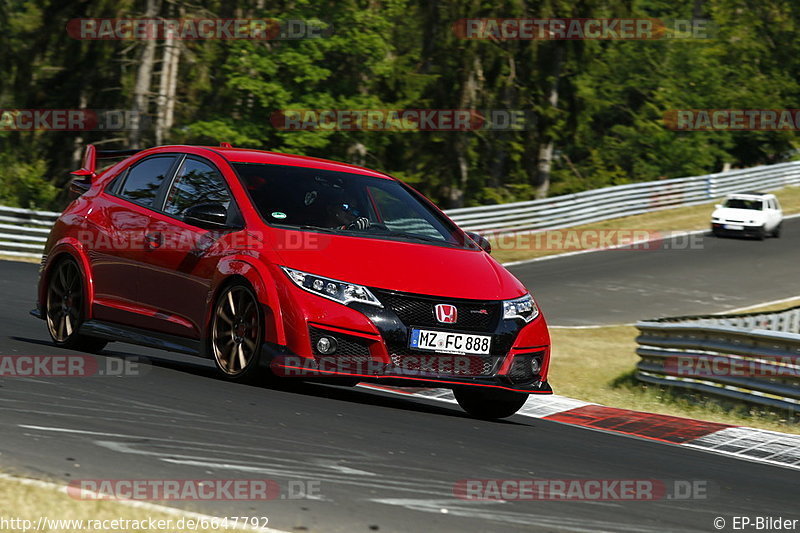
x=326 y=345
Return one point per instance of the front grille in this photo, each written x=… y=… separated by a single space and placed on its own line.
x=451 y=365
x=417 y=310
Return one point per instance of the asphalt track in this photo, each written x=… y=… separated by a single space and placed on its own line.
x=379 y=462
x=678 y=277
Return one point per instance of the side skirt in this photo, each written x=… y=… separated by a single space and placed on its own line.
x=151 y=339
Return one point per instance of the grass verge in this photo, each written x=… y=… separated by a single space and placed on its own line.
x=4 y=257
x=667 y=220
x=20 y=501
x=596 y=365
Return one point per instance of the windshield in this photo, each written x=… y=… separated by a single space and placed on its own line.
x=741 y=203
x=345 y=203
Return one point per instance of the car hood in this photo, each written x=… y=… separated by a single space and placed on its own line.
x=729 y=213
x=399 y=266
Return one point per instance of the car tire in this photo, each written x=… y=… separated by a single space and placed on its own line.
x=777 y=231
x=761 y=234
x=489 y=404
x=65 y=310
x=236 y=332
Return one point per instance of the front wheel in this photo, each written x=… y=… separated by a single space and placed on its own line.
x=489 y=404
x=64 y=308
x=777 y=231
x=237 y=332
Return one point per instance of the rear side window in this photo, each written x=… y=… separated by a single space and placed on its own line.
x=144 y=179
x=196 y=183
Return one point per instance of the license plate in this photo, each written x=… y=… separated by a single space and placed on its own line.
x=733 y=226
x=445 y=341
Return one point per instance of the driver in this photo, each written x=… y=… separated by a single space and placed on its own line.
x=346 y=217
x=339 y=215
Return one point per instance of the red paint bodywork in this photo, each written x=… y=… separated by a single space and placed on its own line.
x=171 y=289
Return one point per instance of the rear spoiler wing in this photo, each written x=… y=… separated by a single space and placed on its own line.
x=92 y=154
x=88 y=171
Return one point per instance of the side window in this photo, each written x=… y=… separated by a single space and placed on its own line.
x=777 y=203
x=144 y=179
x=196 y=182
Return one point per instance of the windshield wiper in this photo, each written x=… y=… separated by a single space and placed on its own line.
x=315 y=228
x=415 y=236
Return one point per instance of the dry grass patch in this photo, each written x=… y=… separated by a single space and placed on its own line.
x=596 y=365
x=31 y=502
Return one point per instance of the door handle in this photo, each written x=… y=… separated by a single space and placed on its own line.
x=153 y=240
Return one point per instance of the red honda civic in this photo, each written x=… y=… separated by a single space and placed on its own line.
x=277 y=265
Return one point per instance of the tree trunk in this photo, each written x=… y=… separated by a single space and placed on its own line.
x=165 y=103
x=544 y=160
x=141 y=90
x=469 y=96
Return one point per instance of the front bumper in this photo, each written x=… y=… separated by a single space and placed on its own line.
x=373 y=345
x=718 y=228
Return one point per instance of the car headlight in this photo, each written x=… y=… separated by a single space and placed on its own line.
x=524 y=308
x=338 y=291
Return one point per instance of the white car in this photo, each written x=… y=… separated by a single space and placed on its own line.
x=756 y=214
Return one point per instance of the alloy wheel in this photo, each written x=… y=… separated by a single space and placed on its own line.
x=236 y=330
x=64 y=301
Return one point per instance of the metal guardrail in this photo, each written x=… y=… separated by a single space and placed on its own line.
x=754 y=357
x=621 y=200
x=23 y=232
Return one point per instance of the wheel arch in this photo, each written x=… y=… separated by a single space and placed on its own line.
x=258 y=277
x=68 y=248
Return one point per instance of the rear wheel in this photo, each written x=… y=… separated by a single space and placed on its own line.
x=64 y=308
x=489 y=404
x=237 y=332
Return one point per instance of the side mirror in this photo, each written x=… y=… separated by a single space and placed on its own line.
x=481 y=241
x=207 y=216
x=718 y=206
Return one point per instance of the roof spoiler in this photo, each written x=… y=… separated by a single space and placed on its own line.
x=92 y=154
x=88 y=171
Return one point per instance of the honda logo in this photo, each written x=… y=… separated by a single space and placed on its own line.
x=446 y=313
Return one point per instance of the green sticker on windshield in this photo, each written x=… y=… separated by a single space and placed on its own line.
x=278 y=214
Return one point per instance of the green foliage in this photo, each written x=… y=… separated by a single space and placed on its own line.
x=24 y=183
x=607 y=126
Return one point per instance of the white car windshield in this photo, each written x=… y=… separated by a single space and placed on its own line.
x=742 y=203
